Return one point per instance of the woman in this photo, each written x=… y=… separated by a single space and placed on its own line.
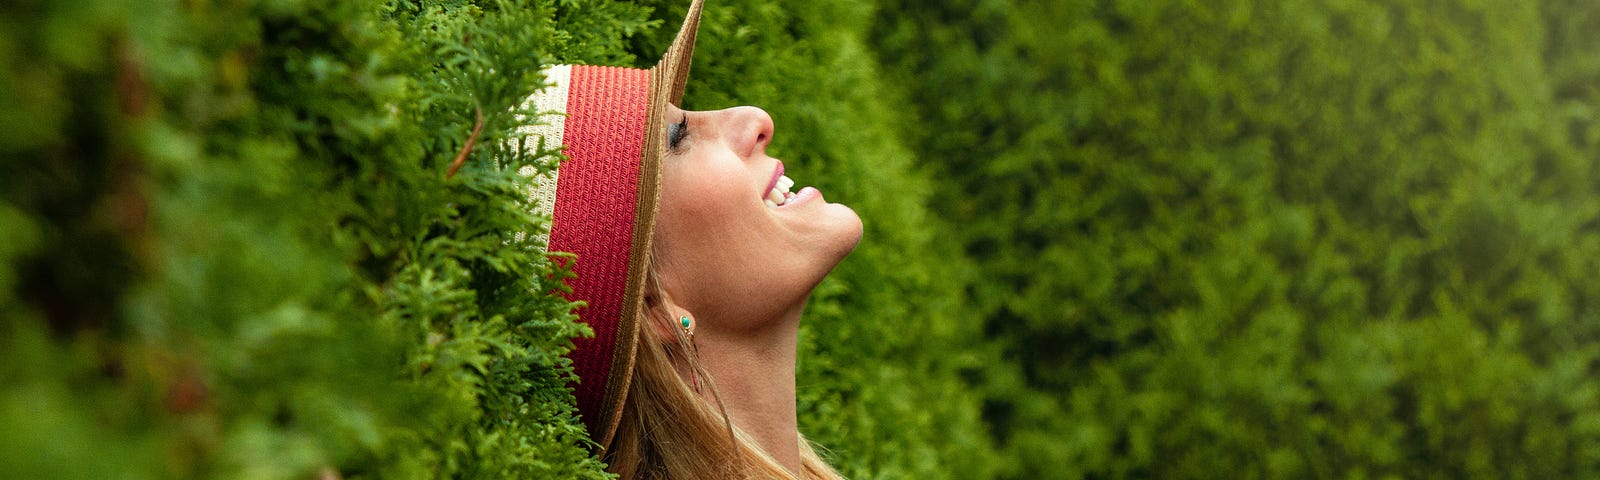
x=695 y=257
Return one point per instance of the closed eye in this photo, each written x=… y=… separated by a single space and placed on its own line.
x=676 y=133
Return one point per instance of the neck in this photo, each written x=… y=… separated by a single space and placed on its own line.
x=754 y=373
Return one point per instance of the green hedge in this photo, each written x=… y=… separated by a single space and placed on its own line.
x=233 y=250
x=1337 y=238
x=1263 y=239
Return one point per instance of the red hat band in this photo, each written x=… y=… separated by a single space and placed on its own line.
x=601 y=200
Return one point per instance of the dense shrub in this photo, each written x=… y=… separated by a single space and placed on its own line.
x=1337 y=238
x=233 y=250
x=1334 y=238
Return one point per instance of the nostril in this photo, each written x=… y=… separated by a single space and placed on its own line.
x=757 y=129
x=764 y=127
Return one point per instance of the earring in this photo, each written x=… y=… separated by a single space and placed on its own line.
x=688 y=332
x=688 y=328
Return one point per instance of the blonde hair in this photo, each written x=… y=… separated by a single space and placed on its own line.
x=669 y=431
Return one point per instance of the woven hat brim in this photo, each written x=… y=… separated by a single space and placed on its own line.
x=675 y=63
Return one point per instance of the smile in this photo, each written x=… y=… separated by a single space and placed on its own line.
x=778 y=190
x=780 y=194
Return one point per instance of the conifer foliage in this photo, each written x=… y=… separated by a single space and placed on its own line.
x=236 y=245
x=1172 y=239
x=1272 y=239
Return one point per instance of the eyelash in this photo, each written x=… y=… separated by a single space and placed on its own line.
x=677 y=132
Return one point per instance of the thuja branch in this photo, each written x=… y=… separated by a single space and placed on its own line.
x=461 y=157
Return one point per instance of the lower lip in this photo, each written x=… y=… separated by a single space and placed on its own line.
x=804 y=195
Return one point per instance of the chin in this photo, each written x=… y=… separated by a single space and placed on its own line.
x=846 y=234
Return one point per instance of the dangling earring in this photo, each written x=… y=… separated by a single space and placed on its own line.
x=688 y=332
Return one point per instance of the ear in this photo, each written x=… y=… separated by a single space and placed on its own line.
x=664 y=322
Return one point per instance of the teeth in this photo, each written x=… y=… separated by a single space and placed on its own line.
x=780 y=193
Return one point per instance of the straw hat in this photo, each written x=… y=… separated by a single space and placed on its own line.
x=603 y=199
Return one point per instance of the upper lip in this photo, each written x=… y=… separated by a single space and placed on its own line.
x=773 y=183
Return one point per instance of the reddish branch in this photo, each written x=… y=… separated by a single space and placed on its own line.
x=461 y=157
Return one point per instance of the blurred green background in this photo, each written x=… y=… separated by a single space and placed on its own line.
x=1105 y=239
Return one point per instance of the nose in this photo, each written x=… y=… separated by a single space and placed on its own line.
x=750 y=129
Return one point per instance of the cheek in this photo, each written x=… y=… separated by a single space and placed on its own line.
x=703 y=193
x=707 y=232
x=696 y=210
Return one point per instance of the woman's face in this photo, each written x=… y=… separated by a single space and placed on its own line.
x=732 y=251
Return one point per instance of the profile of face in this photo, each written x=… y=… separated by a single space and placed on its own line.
x=739 y=244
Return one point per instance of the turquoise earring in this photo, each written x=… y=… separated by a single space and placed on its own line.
x=689 y=334
x=688 y=330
